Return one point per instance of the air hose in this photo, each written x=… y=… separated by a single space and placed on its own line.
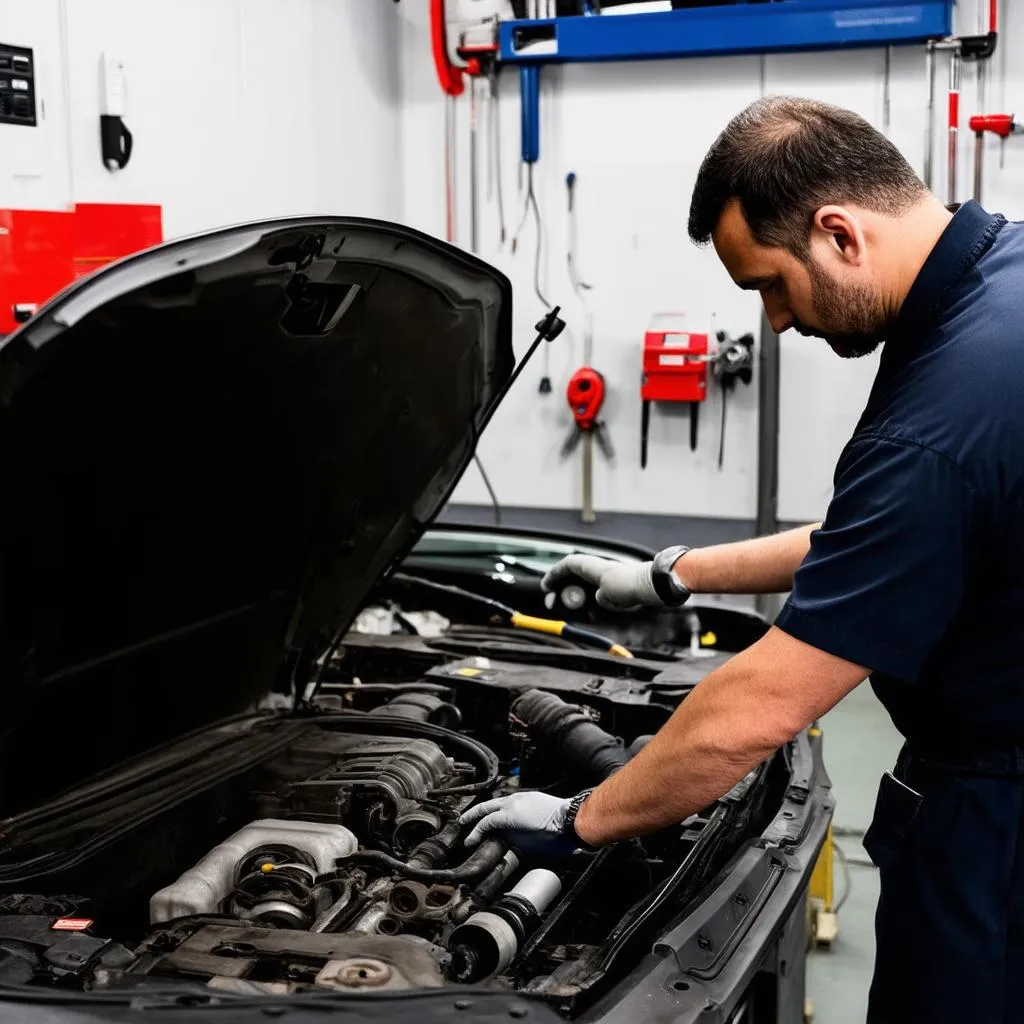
x=502 y=615
x=580 y=742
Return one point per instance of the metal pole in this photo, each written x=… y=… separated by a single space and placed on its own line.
x=449 y=167
x=954 y=120
x=979 y=146
x=767 y=521
x=929 y=125
x=474 y=203
x=587 y=462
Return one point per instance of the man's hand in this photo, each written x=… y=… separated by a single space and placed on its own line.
x=532 y=823
x=621 y=586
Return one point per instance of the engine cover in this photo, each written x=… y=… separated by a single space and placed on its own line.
x=376 y=785
x=242 y=958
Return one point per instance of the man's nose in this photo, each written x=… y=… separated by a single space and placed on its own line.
x=778 y=314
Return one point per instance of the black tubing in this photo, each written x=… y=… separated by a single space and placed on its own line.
x=582 y=743
x=421 y=707
x=482 y=861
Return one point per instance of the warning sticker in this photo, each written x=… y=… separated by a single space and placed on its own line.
x=71 y=924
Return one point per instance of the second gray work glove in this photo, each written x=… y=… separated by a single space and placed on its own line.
x=622 y=586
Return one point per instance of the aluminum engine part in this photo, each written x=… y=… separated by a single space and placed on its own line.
x=339 y=961
x=375 y=784
x=489 y=940
x=201 y=889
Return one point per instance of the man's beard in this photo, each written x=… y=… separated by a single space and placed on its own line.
x=856 y=308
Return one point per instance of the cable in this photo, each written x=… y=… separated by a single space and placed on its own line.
x=490 y=490
x=530 y=206
x=847 y=878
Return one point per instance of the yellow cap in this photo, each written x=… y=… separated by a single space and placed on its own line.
x=708 y=639
x=266 y=868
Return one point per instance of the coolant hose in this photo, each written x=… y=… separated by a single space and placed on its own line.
x=482 y=861
x=582 y=743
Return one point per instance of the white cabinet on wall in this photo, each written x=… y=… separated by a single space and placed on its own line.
x=34 y=160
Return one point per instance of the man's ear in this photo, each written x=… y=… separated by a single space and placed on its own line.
x=842 y=232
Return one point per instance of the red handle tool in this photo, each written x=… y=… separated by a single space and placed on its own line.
x=585 y=395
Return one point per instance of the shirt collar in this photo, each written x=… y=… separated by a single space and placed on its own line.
x=967 y=238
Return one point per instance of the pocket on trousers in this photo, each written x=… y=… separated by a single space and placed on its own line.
x=896 y=810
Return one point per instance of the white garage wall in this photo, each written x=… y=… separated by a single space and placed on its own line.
x=240 y=108
x=635 y=135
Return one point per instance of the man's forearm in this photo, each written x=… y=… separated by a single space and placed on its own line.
x=738 y=716
x=764 y=565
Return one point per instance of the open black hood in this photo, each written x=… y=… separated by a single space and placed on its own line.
x=209 y=453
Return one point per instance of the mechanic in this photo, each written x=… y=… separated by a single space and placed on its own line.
x=915 y=578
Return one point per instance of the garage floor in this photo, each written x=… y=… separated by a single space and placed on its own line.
x=860 y=743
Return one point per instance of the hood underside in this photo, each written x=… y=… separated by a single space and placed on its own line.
x=210 y=453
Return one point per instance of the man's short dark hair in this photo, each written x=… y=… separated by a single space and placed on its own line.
x=784 y=158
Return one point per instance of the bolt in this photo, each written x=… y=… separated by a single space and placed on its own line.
x=704 y=943
x=740 y=900
x=463 y=1004
x=518 y=1011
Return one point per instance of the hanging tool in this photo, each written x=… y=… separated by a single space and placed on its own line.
x=585 y=395
x=977 y=48
x=734 y=361
x=586 y=420
x=529 y=103
x=452 y=83
x=1000 y=125
x=675 y=369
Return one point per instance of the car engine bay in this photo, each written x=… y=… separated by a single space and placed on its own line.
x=318 y=848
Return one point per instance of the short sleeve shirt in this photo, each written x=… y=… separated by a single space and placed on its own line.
x=917 y=572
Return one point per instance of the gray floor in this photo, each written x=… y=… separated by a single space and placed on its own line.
x=860 y=743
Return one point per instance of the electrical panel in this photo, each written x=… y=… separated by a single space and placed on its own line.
x=17 y=85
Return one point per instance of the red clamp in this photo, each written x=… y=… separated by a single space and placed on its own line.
x=585 y=395
x=1002 y=125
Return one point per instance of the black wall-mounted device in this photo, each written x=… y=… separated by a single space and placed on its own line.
x=17 y=85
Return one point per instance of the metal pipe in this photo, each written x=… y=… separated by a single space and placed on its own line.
x=449 y=167
x=474 y=199
x=953 y=121
x=929 y=125
x=887 y=91
x=979 y=146
x=767 y=445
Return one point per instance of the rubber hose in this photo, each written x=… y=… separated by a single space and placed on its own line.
x=421 y=707
x=582 y=743
x=482 y=861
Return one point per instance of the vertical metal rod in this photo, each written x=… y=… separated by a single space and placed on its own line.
x=954 y=121
x=887 y=91
x=474 y=198
x=979 y=148
x=929 y=124
x=767 y=521
x=587 y=464
x=449 y=167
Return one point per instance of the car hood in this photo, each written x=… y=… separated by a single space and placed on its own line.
x=210 y=452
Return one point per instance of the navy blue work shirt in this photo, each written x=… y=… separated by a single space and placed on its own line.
x=918 y=570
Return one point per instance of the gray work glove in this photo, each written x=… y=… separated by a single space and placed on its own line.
x=531 y=823
x=621 y=586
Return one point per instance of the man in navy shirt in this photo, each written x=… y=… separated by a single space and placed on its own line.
x=915 y=577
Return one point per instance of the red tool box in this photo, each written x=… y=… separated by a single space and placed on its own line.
x=43 y=251
x=675 y=364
